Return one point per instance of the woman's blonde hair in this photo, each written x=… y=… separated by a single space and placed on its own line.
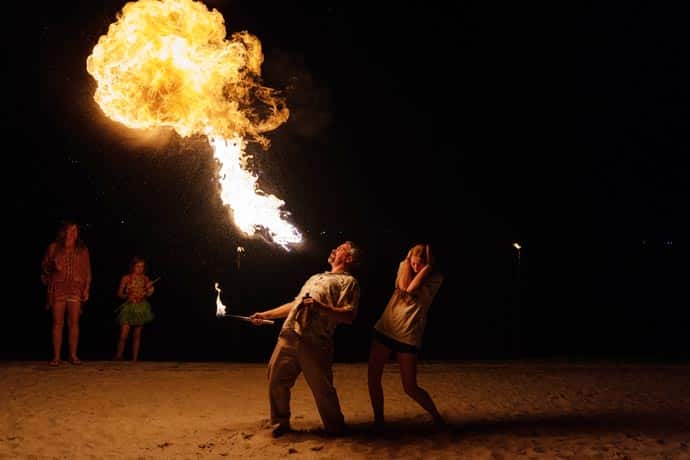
x=419 y=250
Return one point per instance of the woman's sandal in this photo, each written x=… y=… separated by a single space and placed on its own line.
x=54 y=363
x=74 y=360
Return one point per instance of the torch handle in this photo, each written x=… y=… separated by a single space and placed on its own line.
x=248 y=319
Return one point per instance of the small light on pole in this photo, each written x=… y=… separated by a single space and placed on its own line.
x=240 y=251
x=516 y=313
x=517 y=246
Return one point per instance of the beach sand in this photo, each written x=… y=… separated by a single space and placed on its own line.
x=186 y=410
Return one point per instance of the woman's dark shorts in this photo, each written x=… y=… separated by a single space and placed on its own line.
x=394 y=345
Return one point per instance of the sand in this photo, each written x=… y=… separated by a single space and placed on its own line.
x=496 y=410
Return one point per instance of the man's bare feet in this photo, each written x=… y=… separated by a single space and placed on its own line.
x=440 y=423
x=280 y=430
x=379 y=426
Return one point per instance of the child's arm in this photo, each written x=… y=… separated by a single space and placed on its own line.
x=122 y=289
x=149 y=287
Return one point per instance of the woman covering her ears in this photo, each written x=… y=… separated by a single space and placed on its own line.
x=400 y=328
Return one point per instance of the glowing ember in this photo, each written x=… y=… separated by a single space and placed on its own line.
x=167 y=63
x=220 y=307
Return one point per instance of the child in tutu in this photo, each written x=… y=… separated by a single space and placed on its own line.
x=135 y=287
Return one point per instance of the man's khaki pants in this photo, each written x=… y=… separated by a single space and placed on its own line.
x=291 y=356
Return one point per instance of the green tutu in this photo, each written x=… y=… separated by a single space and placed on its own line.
x=135 y=314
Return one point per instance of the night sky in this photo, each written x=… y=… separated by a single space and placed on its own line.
x=469 y=128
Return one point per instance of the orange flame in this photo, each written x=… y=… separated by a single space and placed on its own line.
x=167 y=63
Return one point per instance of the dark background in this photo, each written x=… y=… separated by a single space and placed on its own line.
x=469 y=127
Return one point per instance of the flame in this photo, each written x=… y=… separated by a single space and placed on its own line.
x=167 y=63
x=238 y=187
x=220 y=307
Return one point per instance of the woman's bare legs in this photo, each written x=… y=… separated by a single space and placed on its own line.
x=136 y=343
x=73 y=314
x=124 y=333
x=378 y=356
x=58 y=323
x=408 y=374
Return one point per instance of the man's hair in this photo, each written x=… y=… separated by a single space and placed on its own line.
x=355 y=254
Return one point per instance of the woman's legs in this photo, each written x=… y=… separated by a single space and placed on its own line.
x=124 y=333
x=136 y=343
x=378 y=356
x=408 y=374
x=73 y=314
x=58 y=323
